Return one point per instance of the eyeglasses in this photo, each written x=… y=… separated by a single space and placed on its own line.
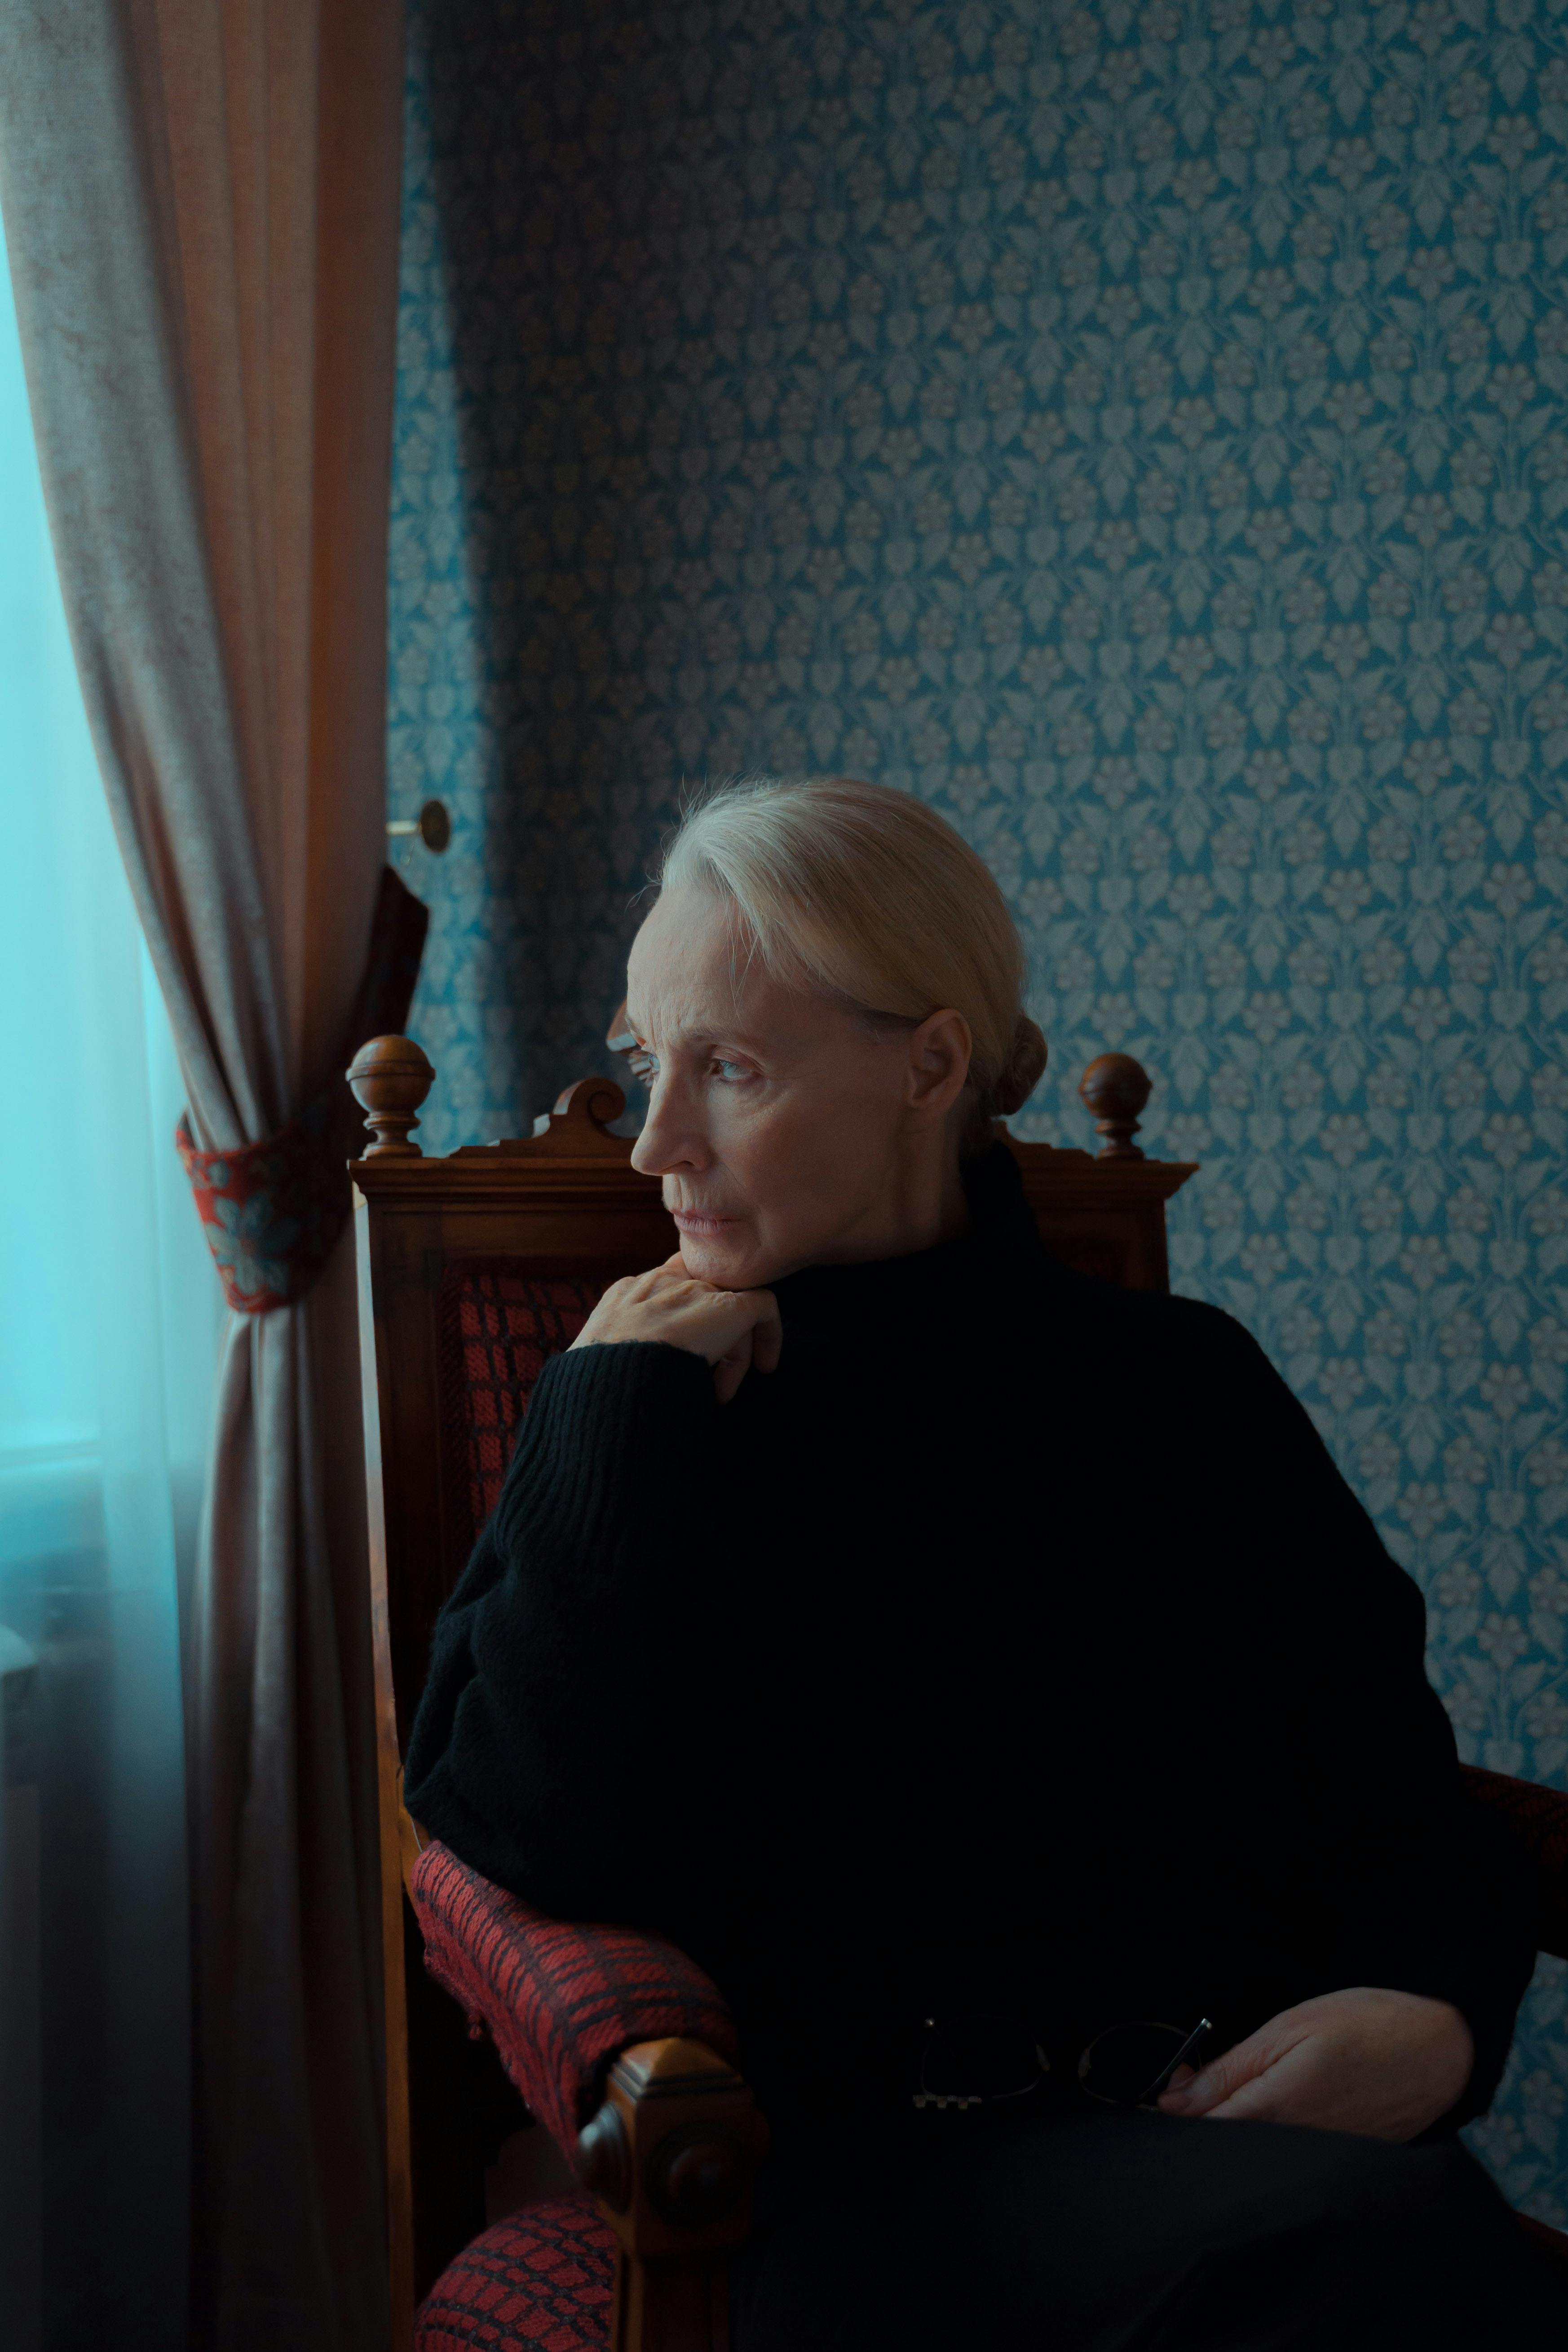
x=978 y=2058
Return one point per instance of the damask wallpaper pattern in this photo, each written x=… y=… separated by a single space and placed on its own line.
x=1141 y=431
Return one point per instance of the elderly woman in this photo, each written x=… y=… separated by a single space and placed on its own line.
x=1062 y=1807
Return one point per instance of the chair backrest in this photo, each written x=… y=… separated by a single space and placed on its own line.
x=473 y=1270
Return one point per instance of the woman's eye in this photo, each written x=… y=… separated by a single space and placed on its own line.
x=731 y=1073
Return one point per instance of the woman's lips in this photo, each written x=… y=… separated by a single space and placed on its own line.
x=702 y=1220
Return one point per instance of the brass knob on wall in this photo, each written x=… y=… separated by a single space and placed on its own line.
x=433 y=824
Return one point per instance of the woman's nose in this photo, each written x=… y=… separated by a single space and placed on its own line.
x=670 y=1139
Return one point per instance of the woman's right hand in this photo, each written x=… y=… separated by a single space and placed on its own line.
x=734 y=1330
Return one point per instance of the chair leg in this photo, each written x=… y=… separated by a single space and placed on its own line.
x=679 y=2303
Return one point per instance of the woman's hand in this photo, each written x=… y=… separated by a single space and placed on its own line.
x=735 y=1330
x=1382 y=2064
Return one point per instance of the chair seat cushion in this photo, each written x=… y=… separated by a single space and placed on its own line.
x=541 y=2279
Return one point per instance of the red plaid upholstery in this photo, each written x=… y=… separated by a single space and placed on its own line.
x=1538 y=1818
x=541 y=2281
x=499 y=1329
x=558 y=2001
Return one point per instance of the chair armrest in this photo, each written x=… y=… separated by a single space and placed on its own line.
x=560 y=2002
x=671 y=2157
x=1538 y=1818
x=620 y=2046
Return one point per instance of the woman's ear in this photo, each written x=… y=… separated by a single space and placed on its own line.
x=940 y=1052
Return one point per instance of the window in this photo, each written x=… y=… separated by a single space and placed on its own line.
x=109 y=1319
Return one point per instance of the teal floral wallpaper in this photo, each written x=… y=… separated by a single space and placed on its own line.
x=1141 y=431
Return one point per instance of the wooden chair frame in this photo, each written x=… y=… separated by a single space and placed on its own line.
x=566 y=1203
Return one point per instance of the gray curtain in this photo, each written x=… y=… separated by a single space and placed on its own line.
x=201 y=202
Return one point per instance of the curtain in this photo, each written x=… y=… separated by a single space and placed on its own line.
x=108 y=1345
x=200 y=199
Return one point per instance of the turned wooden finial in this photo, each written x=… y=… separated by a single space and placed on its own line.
x=391 y=1077
x=1114 y=1089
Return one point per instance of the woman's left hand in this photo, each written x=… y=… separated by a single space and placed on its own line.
x=1383 y=2064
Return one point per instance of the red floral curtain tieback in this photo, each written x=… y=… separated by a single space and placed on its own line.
x=272 y=1211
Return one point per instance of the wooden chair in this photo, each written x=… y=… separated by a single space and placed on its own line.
x=472 y=1270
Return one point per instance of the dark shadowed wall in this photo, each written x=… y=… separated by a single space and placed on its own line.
x=1141 y=432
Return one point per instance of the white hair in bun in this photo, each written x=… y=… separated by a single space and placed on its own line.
x=868 y=895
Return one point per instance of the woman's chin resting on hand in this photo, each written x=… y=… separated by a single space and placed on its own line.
x=736 y=1331
x=1381 y=2065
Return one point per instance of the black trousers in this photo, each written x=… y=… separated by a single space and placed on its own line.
x=1103 y=2233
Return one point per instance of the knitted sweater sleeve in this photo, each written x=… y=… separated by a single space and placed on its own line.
x=1429 y=1893
x=530 y=1754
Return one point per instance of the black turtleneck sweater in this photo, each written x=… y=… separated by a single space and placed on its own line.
x=1014 y=1646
